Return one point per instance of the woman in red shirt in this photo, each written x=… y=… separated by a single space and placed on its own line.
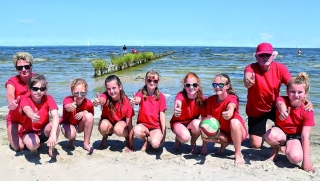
x=77 y=114
x=188 y=106
x=224 y=107
x=117 y=113
x=293 y=124
x=16 y=87
x=151 y=121
x=35 y=107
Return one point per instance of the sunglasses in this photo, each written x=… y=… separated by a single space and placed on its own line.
x=193 y=85
x=27 y=67
x=81 y=93
x=221 y=85
x=38 y=88
x=264 y=55
x=155 y=81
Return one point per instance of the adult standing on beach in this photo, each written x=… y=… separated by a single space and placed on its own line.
x=17 y=86
x=263 y=80
x=124 y=49
x=189 y=105
x=151 y=121
x=117 y=113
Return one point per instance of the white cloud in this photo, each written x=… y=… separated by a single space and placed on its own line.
x=26 y=21
x=265 y=36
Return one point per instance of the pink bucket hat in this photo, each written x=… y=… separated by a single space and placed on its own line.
x=264 y=48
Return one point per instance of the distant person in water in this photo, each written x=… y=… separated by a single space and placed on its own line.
x=299 y=52
x=133 y=50
x=124 y=49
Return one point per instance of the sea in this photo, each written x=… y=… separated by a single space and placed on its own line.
x=61 y=64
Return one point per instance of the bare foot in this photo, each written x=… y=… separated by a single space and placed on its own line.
x=194 y=149
x=128 y=150
x=33 y=153
x=177 y=145
x=274 y=153
x=222 y=148
x=144 y=146
x=204 y=148
x=103 y=143
x=51 y=152
x=239 y=159
x=71 y=144
x=88 y=148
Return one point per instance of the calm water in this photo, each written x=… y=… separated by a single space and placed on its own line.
x=62 y=64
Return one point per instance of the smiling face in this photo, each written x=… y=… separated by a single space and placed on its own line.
x=297 y=94
x=38 y=90
x=24 y=68
x=191 y=85
x=152 y=80
x=220 y=85
x=113 y=90
x=79 y=92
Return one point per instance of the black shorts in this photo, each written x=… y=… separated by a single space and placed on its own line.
x=123 y=119
x=43 y=138
x=257 y=126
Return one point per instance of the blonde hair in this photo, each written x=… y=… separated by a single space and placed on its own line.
x=22 y=56
x=150 y=74
x=302 y=78
x=78 y=81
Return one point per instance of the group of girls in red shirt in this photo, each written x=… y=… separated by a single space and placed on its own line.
x=28 y=122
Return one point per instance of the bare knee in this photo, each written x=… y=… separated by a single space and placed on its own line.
x=155 y=143
x=294 y=157
x=184 y=137
x=256 y=142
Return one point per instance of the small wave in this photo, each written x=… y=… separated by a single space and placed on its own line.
x=166 y=95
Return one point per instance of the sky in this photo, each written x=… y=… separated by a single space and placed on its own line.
x=230 y=23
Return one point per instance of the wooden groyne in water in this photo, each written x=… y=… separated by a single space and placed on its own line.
x=118 y=67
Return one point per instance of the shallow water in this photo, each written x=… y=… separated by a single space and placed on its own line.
x=62 y=64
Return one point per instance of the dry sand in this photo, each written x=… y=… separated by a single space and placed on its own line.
x=163 y=164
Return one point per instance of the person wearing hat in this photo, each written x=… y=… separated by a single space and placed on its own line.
x=263 y=80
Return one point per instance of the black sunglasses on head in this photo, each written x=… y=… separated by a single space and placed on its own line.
x=221 y=85
x=27 y=67
x=193 y=84
x=38 y=88
x=81 y=93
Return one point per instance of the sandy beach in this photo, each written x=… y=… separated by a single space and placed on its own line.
x=113 y=163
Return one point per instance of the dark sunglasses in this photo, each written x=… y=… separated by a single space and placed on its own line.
x=221 y=85
x=27 y=67
x=38 y=88
x=81 y=93
x=264 y=55
x=193 y=85
x=155 y=81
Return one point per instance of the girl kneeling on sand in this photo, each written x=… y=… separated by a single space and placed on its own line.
x=36 y=106
x=291 y=133
x=151 y=118
x=78 y=114
x=224 y=106
x=117 y=113
x=188 y=106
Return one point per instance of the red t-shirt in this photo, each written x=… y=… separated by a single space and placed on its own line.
x=189 y=110
x=47 y=104
x=122 y=110
x=262 y=95
x=68 y=117
x=20 y=89
x=215 y=109
x=297 y=118
x=150 y=108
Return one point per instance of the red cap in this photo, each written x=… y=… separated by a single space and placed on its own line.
x=264 y=48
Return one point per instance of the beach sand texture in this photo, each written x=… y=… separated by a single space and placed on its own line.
x=113 y=163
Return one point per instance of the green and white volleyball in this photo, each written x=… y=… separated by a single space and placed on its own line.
x=209 y=127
